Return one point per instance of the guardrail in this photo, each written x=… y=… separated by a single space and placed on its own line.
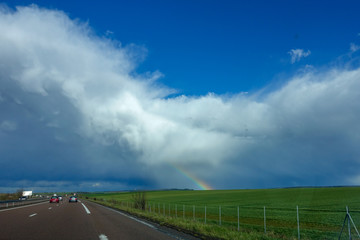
x=16 y=203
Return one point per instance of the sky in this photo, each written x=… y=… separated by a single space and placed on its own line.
x=146 y=95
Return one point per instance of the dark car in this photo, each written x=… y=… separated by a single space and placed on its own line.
x=73 y=199
x=54 y=199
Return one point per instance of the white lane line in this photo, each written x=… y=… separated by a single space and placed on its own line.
x=103 y=237
x=22 y=206
x=86 y=209
x=135 y=219
x=33 y=215
x=143 y=222
x=49 y=207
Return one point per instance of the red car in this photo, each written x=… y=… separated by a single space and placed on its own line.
x=54 y=199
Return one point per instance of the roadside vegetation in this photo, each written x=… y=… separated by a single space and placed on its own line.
x=11 y=196
x=321 y=211
x=139 y=200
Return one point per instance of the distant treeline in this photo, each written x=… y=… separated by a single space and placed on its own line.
x=11 y=196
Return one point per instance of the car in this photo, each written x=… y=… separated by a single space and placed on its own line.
x=54 y=199
x=60 y=198
x=22 y=198
x=73 y=199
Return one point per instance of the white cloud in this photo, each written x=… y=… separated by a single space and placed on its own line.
x=354 y=180
x=52 y=124
x=8 y=126
x=109 y=33
x=121 y=124
x=354 y=47
x=298 y=54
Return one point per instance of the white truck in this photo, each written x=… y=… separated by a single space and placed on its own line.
x=27 y=194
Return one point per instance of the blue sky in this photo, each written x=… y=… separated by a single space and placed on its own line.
x=111 y=96
x=221 y=44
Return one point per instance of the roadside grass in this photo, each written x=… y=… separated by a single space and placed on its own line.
x=321 y=211
x=194 y=227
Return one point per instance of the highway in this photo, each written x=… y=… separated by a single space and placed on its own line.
x=81 y=220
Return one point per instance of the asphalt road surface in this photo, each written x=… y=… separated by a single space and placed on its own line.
x=81 y=220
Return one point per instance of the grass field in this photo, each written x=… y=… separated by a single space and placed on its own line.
x=321 y=210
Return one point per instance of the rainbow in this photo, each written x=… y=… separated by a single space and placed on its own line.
x=199 y=183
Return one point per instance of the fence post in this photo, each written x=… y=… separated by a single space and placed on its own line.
x=183 y=211
x=238 y=219
x=169 y=211
x=194 y=212
x=349 y=226
x=159 y=207
x=348 y=217
x=164 y=209
x=176 y=210
x=205 y=214
x=298 y=221
x=264 y=220
x=220 y=215
x=7 y=204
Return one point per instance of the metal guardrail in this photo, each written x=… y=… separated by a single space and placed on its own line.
x=16 y=203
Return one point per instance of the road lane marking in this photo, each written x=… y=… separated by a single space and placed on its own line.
x=33 y=215
x=14 y=208
x=143 y=222
x=86 y=209
x=135 y=219
x=103 y=237
x=49 y=207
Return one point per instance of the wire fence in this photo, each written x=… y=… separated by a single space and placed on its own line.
x=296 y=222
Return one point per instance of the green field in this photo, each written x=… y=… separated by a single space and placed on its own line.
x=321 y=210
